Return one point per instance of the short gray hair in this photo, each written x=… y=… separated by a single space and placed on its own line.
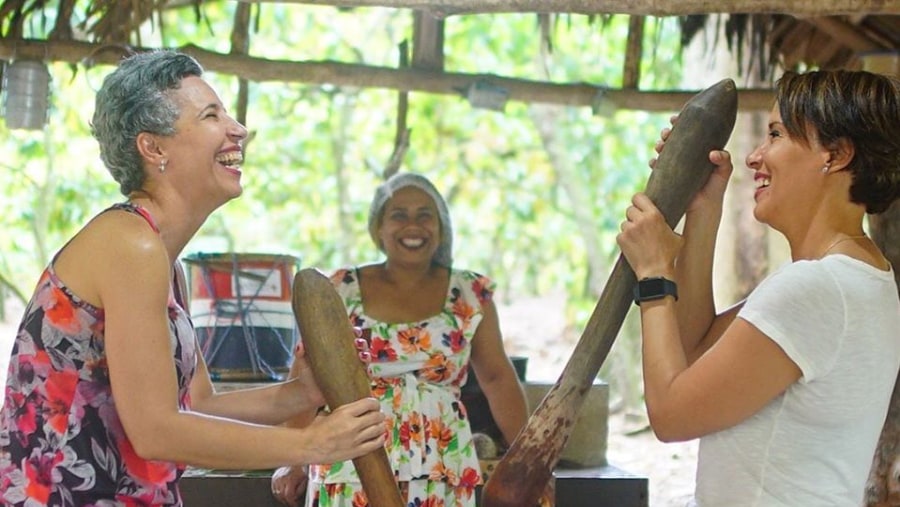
x=135 y=98
x=444 y=254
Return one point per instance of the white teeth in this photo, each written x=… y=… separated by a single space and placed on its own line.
x=412 y=242
x=231 y=158
x=762 y=182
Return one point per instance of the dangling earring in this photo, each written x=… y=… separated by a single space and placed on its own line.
x=826 y=168
x=162 y=165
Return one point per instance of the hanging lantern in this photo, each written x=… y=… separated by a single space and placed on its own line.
x=27 y=100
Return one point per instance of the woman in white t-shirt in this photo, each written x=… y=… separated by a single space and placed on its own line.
x=788 y=390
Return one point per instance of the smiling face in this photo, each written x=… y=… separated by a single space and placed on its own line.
x=205 y=154
x=410 y=228
x=787 y=172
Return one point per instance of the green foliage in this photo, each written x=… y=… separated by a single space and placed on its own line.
x=318 y=152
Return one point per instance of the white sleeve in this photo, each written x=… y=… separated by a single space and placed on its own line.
x=801 y=309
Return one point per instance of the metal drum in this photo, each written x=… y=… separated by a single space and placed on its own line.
x=241 y=309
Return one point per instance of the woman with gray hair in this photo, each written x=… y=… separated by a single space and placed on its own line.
x=107 y=397
x=426 y=323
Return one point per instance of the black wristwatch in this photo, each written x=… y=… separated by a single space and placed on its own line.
x=657 y=287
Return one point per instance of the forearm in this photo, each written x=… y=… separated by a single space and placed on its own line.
x=301 y=420
x=663 y=359
x=506 y=399
x=211 y=442
x=268 y=405
x=695 y=308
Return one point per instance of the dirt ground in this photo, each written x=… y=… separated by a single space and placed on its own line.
x=631 y=445
x=669 y=468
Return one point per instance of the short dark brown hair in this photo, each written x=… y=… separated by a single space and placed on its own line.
x=858 y=106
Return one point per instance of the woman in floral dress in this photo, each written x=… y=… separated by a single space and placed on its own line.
x=425 y=323
x=107 y=398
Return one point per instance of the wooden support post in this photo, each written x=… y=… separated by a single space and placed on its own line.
x=883 y=488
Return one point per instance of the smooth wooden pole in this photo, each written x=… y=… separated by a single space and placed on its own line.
x=329 y=341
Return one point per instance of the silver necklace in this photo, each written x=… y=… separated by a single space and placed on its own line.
x=841 y=240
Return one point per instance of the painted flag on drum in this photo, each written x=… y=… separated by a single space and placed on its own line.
x=241 y=309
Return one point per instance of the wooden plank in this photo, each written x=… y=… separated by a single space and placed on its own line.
x=633 y=7
x=367 y=76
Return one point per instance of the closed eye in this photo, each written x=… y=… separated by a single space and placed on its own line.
x=211 y=111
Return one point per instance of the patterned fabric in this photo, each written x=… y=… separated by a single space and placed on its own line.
x=417 y=370
x=61 y=440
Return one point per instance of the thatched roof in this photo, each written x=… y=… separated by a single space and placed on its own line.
x=763 y=34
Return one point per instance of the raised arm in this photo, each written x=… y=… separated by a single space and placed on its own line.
x=698 y=324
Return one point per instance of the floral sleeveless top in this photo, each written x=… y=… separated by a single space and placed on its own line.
x=61 y=440
x=417 y=371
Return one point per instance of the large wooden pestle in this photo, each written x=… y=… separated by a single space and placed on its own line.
x=704 y=124
x=329 y=341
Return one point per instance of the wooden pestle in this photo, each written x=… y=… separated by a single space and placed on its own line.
x=682 y=168
x=329 y=341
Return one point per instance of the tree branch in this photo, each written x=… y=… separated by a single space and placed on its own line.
x=367 y=76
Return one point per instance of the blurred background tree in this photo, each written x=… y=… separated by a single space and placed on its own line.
x=536 y=191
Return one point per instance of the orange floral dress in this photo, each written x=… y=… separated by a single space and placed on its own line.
x=417 y=371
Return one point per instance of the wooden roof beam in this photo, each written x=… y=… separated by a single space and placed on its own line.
x=366 y=76
x=845 y=33
x=800 y=8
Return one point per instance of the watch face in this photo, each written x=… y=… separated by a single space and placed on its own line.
x=650 y=288
x=657 y=287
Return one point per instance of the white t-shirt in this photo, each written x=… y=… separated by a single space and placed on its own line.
x=838 y=319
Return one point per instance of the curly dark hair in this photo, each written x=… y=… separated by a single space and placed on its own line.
x=859 y=106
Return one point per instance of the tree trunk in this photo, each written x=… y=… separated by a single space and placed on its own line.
x=883 y=489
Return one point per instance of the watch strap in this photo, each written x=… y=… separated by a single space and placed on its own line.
x=652 y=288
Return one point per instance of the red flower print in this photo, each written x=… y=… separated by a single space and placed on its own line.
x=431 y=501
x=469 y=479
x=462 y=492
x=360 y=500
x=59 y=312
x=60 y=391
x=40 y=361
x=481 y=289
x=379 y=389
x=414 y=339
x=151 y=472
x=382 y=351
x=333 y=489
x=342 y=277
x=411 y=430
x=39 y=472
x=455 y=340
x=437 y=368
x=25 y=411
x=134 y=502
